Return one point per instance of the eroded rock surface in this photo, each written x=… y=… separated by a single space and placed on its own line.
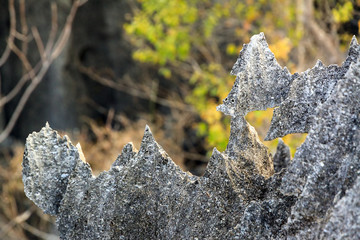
x=260 y=82
x=309 y=90
x=245 y=193
x=282 y=156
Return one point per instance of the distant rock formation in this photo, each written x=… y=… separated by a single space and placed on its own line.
x=245 y=193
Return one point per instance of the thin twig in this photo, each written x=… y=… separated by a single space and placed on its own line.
x=132 y=91
x=39 y=233
x=19 y=219
x=53 y=31
x=21 y=55
x=39 y=43
x=24 y=98
x=20 y=36
x=24 y=27
x=7 y=51
x=26 y=77
x=45 y=64
x=65 y=33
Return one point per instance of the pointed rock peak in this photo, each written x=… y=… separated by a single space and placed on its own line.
x=353 y=53
x=47 y=130
x=151 y=159
x=245 y=147
x=257 y=42
x=148 y=143
x=281 y=142
x=128 y=152
x=242 y=135
x=353 y=69
x=282 y=156
x=251 y=51
x=215 y=157
x=354 y=41
x=215 y=151
x=215 y=162
x=148 y=136
x=45 y=133
x=309 y=90
x=319 y=64
x=260 y=83
x=48 y=156
x=129 y=148
x=229 y=106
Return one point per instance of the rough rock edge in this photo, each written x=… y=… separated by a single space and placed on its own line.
x=328 y=162
x=308 y=91
x=282 y=156
x=145 y=195
x=260 y=82
x=53 y=161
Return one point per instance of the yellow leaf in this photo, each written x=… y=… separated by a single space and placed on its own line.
x=281 y=49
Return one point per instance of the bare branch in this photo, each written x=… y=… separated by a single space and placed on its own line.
x=132 y=91
x=38 y=233
x=37 y=74
x=19 y=219
x=24 y=27
x=323 y=39
x=26 y=77
x=21 y=55
x=53 y=31
x=20 y=36
x=39 y=43
x=7 y=51
x=24 y=98
x=65 y=34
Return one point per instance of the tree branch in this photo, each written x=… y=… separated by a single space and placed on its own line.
x=48 y=55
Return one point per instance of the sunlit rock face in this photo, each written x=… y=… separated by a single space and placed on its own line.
x=245 y=193
x=308 y=91
x=260 y=83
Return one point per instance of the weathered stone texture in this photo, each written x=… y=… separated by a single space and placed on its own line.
x=47 y=170
x=282 y=156
x=309 y=90
x=328 y=163
x=260 y=81
x=245 y=193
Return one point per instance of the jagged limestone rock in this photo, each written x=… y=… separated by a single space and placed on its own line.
x=308 y=90
x=328 y=162
x=282 y=156
x=146 y=196
x=260 y=82
x=47 y=170
x=345 y=218
x=244 y=143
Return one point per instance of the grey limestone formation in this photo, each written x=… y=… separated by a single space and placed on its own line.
x=308 y=90
x=245 y=193
x=282 y=156
x=260 y=82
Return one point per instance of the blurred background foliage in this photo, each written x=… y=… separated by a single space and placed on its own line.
x=161 y=62
x=200 y=39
